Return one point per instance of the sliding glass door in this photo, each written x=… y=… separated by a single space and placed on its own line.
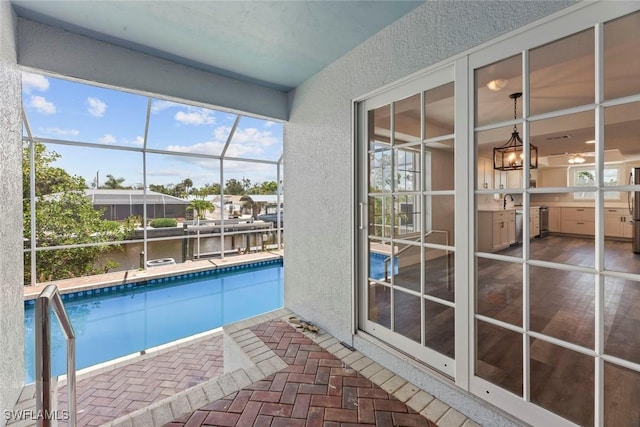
x=407 y=231
x=557 y=295
x=498 y=237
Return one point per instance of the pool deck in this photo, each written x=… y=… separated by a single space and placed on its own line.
x=132 y=276
x=274 y=375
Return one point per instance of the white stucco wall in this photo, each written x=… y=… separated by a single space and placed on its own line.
x=11 y=306
x=318 y=153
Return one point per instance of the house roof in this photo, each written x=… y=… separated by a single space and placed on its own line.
x=274 y=44
x=132 y=197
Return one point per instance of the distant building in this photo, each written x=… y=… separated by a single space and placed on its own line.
x=263 y=203
x=121 y=204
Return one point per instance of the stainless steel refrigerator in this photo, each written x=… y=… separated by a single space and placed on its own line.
x=634 y=208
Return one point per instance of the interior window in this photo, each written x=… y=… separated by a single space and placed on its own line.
x=586 y=177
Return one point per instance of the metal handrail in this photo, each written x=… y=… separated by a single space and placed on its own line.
x=49 y=299
x=427 y=234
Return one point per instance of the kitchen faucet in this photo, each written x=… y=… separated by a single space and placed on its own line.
x=504 y=200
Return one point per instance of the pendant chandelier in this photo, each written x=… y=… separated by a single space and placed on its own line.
x=510 y=156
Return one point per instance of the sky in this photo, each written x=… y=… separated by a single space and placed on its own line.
x=71 y=111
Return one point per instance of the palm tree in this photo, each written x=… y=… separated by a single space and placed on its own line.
x=113 y=183
x=201 y=206
x=187 y=184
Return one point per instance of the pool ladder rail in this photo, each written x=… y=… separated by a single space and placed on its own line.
x=49 y=299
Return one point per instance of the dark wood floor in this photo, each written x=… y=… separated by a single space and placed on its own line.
x=562 y=305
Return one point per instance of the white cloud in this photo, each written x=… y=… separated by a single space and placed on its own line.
x=195 y=116
x=31 y=82
x=268 y=124
x=206 y=171
x=254 y=136
x=107 y=138
x=210 y=147
x=159 y=105
x=41 y=105
x=137 y=141
x=62 y=132
x=247 y=143
x=256 y=172
x=187 y=115
x=96 y=107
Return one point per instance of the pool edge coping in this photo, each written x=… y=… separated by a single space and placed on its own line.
x=130 y=277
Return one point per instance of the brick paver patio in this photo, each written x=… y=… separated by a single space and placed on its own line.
x=272 y=375
x=315 y=389
x=120 y=391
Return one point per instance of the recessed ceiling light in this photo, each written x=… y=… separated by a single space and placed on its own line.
x=497 y=84
x=591 y=141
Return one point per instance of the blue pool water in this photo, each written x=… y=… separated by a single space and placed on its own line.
x=376 y=265
x=125 y=319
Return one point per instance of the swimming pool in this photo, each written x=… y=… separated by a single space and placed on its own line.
x=376 y=265
x=124 y=319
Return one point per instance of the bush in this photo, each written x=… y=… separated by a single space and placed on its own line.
x=163 y=222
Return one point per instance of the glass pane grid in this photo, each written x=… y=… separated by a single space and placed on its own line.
x=92 y=170
x=402 y=209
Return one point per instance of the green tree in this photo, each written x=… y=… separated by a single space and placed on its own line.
x=267 y=187
x=209 y=190
x=113 y=183
x=200 y=206
x=159 y=188
x=246 y=184
x=178 y=190
x=64 y=216
x=188 y=185
x=234 y=187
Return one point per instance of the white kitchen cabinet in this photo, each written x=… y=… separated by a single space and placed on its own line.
x=496 y=230
x=514 y=179
x=511 y=229
x=578 y=221
x=499 y=179
x=616 y=222
x=485 y=173
x=555 y=219
x=534 y=222
x=552 y=177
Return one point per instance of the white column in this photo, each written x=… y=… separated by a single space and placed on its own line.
x=11 y=275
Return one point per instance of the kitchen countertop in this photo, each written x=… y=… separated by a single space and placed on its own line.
x=496 y=209
x=508 y=208
x=615 y=205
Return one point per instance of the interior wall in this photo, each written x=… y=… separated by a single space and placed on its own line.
x=11 y=306
x=442 y=177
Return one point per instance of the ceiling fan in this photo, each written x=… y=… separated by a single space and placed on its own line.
x=569 y=159
x=579 y=158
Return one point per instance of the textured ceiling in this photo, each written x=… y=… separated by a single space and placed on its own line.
x=277 y=44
